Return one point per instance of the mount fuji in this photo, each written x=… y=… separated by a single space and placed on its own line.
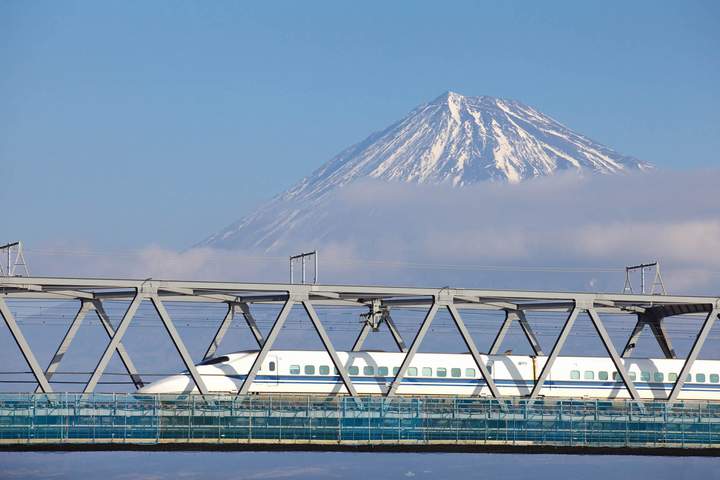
x=453 y=140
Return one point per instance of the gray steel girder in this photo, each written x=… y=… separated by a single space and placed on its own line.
x=329 y=347
x=360 y=340
x=694 y=352
x=225 y=325
x=179 y=345
x=473 y=349
x=267 y=345
x=24 y=348
x=85 y=307
x=607 y=342
x=367 y=328
x=221 y=331
x=424 y=327
x=655 y=322
x=122 y=353
x=518 y=315
x=395 y=333
x=554 y=352
x=113 y=344
x=252 y=325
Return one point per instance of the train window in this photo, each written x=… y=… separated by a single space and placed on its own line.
x=658 y=377
x=589 y=375
x=575 y=374
x=700 y=378
x=645 y=376
x=441 y=372
x=602 y=375
x=368 y=370
x=353 y=370
x=271 y=366
x=309 y=369
x=395 y=370
x=470 y=372
x=714 y=378
x=455 y=372
x=412 y=371
x=324 y=370
x=427 y=372
x=616 y=376
x=382 y=371
x=688 y=378
x=294 y=369
x=672 y=377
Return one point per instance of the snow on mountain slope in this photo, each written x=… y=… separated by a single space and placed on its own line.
x=454 y=140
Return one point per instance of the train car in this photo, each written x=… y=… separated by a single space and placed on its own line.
x=312 y=372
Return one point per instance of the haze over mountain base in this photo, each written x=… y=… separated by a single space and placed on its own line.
x=586 y=228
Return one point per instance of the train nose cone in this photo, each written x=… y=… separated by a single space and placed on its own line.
x=171 y=384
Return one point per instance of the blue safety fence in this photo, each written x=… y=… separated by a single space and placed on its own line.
x=132 y=418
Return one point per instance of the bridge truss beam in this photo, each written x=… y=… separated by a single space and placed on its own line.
x=91 y=293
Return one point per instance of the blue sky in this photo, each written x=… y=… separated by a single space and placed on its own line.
x=130 y=123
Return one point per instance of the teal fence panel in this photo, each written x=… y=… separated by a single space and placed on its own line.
x=133 y=418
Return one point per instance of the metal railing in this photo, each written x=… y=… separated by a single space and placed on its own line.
x=64 y=418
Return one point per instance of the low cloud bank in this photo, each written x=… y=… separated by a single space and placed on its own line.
x=585 y=228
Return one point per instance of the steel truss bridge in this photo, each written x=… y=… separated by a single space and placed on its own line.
x=61 y=420
x=241 y=298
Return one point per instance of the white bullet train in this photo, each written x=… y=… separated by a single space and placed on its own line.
x=312 y=372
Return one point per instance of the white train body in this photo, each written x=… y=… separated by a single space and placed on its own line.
x=312 y=372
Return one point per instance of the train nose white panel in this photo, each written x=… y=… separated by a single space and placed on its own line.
x=171 y=384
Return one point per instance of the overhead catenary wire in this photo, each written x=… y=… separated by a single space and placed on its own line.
x=358 y=261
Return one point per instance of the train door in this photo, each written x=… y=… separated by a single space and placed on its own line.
x=273 y=369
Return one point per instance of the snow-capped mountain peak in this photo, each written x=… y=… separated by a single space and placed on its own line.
x=453 y=139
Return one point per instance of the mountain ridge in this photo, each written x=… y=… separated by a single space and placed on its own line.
x=453 y=139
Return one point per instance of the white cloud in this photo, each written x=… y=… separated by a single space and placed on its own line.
x=390 y=233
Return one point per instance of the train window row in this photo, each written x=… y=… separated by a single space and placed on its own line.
x=371 y=371
x=645 y=376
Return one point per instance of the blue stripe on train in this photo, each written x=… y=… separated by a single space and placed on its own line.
x=452 y=382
